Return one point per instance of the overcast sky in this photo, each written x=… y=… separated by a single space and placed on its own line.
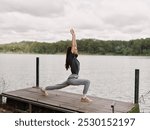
x=50 y=20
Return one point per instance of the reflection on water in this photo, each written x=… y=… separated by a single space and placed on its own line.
x=111 y=76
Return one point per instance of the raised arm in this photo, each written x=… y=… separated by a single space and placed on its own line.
x=74 y=48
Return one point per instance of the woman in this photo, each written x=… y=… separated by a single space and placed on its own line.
x=72 y=63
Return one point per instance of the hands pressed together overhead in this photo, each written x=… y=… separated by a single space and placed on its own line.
x=72 y=32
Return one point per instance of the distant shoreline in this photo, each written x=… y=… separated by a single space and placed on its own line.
x=65 y=54
x=139 y=47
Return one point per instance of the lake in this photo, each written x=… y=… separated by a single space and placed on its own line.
x=111 y=76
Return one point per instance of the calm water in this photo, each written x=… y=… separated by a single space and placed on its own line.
x=111 y=76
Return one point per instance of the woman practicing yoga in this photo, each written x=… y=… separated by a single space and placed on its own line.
x=72 y=63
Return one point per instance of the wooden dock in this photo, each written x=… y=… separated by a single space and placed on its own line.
x=32 y=100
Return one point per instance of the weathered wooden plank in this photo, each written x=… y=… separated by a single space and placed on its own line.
x=47 y=100
x=97 y=101
x=70 y=101
x=43 y=100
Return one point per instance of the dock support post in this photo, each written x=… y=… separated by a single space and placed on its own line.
x=1 y=101
x=37 y=71
x=136 y=91
x=30 y=108
x=113 y=106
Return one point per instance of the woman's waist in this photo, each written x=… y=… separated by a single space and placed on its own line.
x=73 y=76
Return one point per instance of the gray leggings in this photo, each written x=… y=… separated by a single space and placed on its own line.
x=72 y=80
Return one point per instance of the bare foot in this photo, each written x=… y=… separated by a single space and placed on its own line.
x=44 y=92
x=86 y=99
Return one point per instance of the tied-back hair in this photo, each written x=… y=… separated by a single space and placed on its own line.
x=68 y=62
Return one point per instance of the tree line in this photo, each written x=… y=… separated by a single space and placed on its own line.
x=85 y=46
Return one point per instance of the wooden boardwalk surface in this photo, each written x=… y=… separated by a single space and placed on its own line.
x=68 y=102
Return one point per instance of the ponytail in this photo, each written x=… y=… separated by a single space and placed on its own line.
x=67 y=58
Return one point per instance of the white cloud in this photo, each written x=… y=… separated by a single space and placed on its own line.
x=41 y=8
x=50 y=20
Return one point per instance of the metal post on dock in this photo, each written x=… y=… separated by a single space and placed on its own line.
x=37 y=71
x=136 y=91
x=1 y=101
x=113 y=106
